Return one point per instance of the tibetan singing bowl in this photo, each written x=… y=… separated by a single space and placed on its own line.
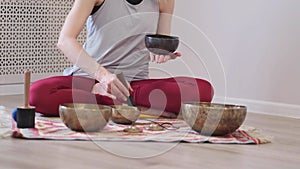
x=123 y=114
x=161 y=44
x=85 y=117
x=212 y=118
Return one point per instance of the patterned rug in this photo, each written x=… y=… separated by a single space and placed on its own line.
x=54 y=128
x=5 y=123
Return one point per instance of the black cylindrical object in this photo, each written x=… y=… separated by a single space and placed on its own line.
x=25 y=117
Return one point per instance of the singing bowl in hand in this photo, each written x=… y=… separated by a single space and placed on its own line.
x=161 y=44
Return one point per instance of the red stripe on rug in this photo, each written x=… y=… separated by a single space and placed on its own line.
x=256 y=140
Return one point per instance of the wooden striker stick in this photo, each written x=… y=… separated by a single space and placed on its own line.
x=26 y=89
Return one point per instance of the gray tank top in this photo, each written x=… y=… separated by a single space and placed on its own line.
x=116 y=37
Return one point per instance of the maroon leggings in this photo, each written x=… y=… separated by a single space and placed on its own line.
x=162 y=94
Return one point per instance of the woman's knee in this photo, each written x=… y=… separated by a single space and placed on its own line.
x=205 y=89
x=41 y=93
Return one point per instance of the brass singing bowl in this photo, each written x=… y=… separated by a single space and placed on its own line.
x=213 y=118
x=123 y=114
x=85 y=117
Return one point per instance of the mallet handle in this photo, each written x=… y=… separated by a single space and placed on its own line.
x=26 y=88
x=121 y=77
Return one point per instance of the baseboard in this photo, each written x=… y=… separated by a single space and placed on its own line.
x=13 y=85
x=11 y=89
x=264 y=107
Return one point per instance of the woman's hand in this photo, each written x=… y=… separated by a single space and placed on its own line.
x=109 y=85
x=163 y=58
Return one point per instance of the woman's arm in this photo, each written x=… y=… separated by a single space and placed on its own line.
x=72 y=49
x=72 y=27
x=166 y=9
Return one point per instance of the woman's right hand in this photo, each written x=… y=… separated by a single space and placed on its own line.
x=109 y=85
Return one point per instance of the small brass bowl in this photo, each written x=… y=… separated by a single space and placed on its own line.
x=85 y=117
x=123 y=114
x=212 y=118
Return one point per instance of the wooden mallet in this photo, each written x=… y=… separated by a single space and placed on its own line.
x=26 y=114
x=121 y=77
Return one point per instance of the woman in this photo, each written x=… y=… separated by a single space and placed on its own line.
x=115 y=43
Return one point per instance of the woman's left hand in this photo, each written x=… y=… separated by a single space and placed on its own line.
x=163 y=58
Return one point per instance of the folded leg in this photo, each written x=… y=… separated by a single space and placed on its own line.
x=47 y=94
x=168 y=94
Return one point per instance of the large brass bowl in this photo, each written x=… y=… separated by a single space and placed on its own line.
x=123 y=114
x=85 y=117
x=212 y=118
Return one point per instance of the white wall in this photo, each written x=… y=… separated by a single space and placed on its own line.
x=258 y=42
